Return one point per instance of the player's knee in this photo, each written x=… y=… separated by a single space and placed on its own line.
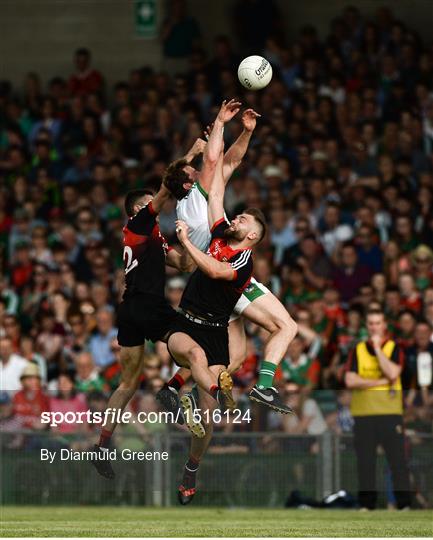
x=287 y=326
x=196 y=356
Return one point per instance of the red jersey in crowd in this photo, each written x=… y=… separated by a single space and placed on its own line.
x=29 y=406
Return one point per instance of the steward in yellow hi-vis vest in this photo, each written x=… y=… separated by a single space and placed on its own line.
x=381 y=399
x=373 y=373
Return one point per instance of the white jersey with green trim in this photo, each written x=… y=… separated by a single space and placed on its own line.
x=192 y=209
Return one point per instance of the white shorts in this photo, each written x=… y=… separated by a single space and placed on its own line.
x=251 y=293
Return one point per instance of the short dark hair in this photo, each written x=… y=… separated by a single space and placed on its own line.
x=260 y=219
x=132 y=197
x=375 y=311
x=175 y=177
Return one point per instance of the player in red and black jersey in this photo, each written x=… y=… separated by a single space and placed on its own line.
x=199 y=338
x=144 y=313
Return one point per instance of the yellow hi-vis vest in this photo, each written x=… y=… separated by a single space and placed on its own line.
x=384 y=399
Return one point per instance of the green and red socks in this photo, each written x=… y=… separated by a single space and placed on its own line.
x=105 y=439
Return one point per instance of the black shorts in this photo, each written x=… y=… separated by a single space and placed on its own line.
x=214 y=340
x=141 y=317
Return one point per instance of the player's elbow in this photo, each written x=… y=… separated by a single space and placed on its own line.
x=210 y=161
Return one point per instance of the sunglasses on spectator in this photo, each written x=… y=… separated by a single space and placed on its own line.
x=422 y=261
x=75 y=323
x=301 y=229
x=85 y=221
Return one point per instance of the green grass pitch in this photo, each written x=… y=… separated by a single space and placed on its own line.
x=189 y=521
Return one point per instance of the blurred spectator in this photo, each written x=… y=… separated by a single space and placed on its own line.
x=12 y=366
x=418 y=370
x=300 y=365
x=67 y=400
x=180 y=32
x=100 y=342
x=85 y=80
x=308 y=418
x=30 y=402
x=87 y=378
x=351 y=274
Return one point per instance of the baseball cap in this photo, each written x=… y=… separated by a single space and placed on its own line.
x=32 y=370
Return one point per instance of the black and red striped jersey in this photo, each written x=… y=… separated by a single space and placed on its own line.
x=215 y=299
x=144 y=253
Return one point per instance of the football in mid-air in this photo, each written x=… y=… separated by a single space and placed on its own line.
x=254 y=72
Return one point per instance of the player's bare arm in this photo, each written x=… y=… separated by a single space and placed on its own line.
x=196 y=149
x=160 y=199
x=234 y=155
x=215 y=143
x=210 y=266
x=182 y=261
x=215 y=208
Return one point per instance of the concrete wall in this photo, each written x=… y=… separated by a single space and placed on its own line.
x=40 y=35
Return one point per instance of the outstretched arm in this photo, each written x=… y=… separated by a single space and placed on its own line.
x=215 y=143
x=238 y=149
x=160 y=199
x=215 y=203
x=196 y=149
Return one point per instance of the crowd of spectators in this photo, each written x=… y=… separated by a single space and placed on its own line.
x=340 y=162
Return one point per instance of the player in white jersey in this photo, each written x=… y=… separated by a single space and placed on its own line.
x=257 y=304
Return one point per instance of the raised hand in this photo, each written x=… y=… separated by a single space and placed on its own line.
x=208 y=131
x=198 y=147
x=228 y=110
x=376 y=341
x=249 y=117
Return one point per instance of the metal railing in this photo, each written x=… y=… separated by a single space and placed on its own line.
x=240 y=469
